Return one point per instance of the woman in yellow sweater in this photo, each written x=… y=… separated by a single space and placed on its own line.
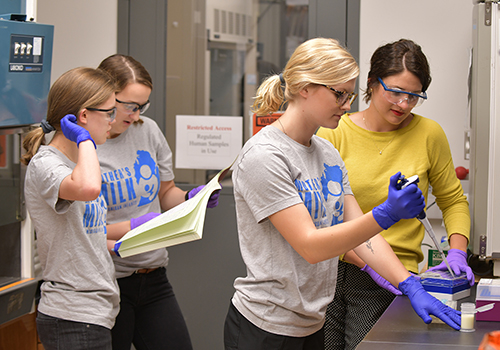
x=374 y=143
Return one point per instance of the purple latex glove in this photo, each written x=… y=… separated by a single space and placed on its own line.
x=425 y=304
x=406 y=203
x=458 y=263
x=381 y=281
x=73 y=131
x=213 y=201
x=135 y=222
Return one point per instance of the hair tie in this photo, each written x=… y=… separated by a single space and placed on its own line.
x=46 y=127
x=282 y=79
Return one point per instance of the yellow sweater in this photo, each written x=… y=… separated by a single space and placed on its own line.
x=422 y=149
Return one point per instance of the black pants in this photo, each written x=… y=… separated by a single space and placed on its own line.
x=150 y=316
x=56 y=333
x=241 y=334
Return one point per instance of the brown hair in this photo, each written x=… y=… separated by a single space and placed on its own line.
x=395 y=58
x=126 y=70
x=73 y=91
x=320 y=61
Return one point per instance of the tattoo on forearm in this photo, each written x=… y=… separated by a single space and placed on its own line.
x=369 y=246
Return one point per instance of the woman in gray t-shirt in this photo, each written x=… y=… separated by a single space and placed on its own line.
x=79 y=295
x=138 y=184
x=296 y=212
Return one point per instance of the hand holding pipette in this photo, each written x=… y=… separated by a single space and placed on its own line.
x=422 y=217
x=400 y=204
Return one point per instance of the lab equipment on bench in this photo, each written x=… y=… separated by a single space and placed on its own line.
x=422 y=217
x=488 y=292
x=443 y=286
x=469 y=312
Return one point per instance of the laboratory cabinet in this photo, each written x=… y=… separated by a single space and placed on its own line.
x=25 y=67
x=484 y=194
x=18 y=284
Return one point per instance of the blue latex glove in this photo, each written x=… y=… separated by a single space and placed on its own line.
x=135 y=222
x=458 y=263
x=425 y=304
x=73 y=131
x=381 y=281
x=400 y=204
x=213 y=201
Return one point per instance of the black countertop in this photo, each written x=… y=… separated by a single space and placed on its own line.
x=401 y=328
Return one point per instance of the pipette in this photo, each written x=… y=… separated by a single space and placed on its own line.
x=422 y=217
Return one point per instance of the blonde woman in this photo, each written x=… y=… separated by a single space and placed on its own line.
x=296 y=212
x=79 y=295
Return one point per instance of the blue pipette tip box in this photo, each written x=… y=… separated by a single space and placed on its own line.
x=443 y=284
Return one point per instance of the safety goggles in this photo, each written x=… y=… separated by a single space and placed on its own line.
x=110 y=113
x=132 y=107
x=343 y=96
x=397 y=96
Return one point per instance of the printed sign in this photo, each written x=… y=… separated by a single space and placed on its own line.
x=207 y=142
x=258 y=122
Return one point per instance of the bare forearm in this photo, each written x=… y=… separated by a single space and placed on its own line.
x=316 y=245
x=348 y=236
x=457 y=241
x=87 y=171
x=170 y=195
x=110 y=243
x=378 y=254
x=84 y=183
x=117 y=230
x=353 y=258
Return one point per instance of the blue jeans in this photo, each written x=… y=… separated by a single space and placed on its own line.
x=58 y=334
x=150 y=316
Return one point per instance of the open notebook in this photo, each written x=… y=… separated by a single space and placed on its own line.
x=183 y=223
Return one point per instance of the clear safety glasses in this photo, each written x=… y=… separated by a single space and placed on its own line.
x=343 y=96
x=110 y=113
x=132 y=107
x=397 y=96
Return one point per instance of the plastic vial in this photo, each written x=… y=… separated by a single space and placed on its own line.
x=468 y=317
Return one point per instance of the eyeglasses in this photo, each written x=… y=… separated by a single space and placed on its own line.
x=397 y=96
x=111 y=112
x=343 y=96
x=132 y=107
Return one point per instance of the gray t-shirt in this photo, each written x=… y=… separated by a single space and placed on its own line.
x=133 y=165
x=283 y=293
x=79 y=278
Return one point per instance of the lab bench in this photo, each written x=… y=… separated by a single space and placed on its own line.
x=401 y=328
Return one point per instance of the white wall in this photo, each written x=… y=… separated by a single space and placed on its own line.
x=443 y=28
x=85 y=32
